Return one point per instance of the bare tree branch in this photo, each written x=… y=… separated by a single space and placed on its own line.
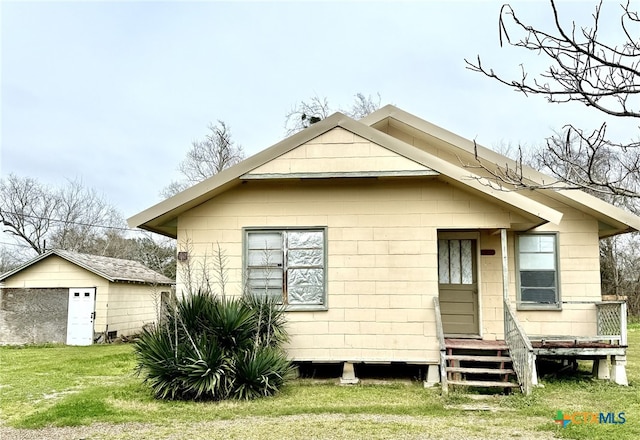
x=583 y=68
x=306 y=113
x=42 y=217
x=363 y=106
x=211 y=155
x=216 y=152
x=26 y=209
x=316 y=109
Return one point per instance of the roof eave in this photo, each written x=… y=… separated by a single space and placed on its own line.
x=139 y=281
x=34 y=260
x=158 y=217
x=56 y=253
x=459 y=174
x=621 y=220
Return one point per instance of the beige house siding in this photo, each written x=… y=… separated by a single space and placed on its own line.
x=579 y=280
x=380 y=287
x=385 y=189
x=579 y=262
x=579 y=277
x=55 y=272
x=490 y=287
x=338 y=150
x=131 y=306
x=382 y=259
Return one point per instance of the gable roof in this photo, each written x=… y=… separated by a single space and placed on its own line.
x=162 y=217
x=112 y=269
x=613 y=220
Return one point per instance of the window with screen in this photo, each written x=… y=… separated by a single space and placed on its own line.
x=537 y=271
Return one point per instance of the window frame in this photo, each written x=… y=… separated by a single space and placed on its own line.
x=473 y=252
x=531 y=305
x=266 y=229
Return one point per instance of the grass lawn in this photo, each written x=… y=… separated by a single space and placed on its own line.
x=57 y=386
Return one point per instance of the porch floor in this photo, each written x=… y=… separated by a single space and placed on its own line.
x=572 y=344
x=576 y=347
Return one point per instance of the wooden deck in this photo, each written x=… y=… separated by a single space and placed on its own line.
x=576 y=347
x=467 y=362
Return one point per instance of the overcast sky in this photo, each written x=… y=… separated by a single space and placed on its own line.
x=113 y=93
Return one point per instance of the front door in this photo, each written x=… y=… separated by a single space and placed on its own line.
x=80 y=316
x=458 y=285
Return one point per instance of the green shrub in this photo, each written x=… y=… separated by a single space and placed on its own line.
x=210 y=348
x=159 y=358
x=230 y=321
x=259 y=373
x=268 y=318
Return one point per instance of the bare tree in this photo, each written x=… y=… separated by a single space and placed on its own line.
x=363 y=106
x=10 y=258
x=26 y=210
x=82 y=216
x=207 y=157
x=605 y=76
x=44 y=217
x=173 y=188
x=305 y=113
x=210 y=156
x=72 y=217
x=620 y=269
x=157 y=253
x=586 y=69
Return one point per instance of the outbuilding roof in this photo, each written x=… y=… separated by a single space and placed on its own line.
x=112 y=269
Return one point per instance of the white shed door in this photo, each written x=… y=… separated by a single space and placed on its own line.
x=80 y=316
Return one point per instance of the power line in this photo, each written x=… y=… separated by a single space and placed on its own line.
x=117 y=228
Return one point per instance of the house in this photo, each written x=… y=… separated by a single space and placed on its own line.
x=385 y=246
x=77 y=299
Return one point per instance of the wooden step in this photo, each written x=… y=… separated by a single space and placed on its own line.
x=476 y=344
x=483 y=383
x=477 y=358
x=471 y=370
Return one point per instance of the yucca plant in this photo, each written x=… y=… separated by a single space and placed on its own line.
x=157 y=356
x=193 y=312
x=232 y=323
x=210 y=348
x=268 y=318
x=260 y=372
x=205 y=370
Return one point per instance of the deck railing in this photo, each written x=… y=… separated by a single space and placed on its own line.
x=443 y=347
x=611 y=321
x=520 y=350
